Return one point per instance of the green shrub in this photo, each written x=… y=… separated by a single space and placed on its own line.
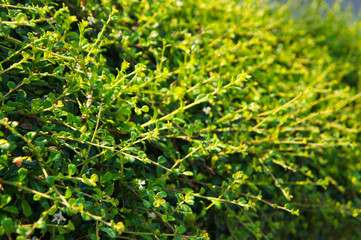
x=179 y=119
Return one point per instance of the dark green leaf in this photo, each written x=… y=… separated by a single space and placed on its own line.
x=50 y=181
x=107 y=177
x=11 y=209
x=26 y=208
x=109 y=231
x=8 y=225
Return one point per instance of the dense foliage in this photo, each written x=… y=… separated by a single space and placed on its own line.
x=186 y=119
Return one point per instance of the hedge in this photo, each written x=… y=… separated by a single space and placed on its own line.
x=179 y=119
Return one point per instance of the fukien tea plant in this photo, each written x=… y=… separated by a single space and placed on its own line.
x=179 y=120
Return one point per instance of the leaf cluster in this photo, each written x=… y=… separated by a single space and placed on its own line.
x=179 y=119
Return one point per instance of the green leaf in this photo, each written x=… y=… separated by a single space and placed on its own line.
x=22 y=230
x=185 y=208
x=217 y=203
x=58 y=70
x=242 y=200
x=145 y=108
x=55 y=155
x=138 y=111
x=72 y=169
x=94 y=178
x=146 y=237
x=179 y=196
x=4 y=144
x=89 y=182
x=21 y=96
x=110 y=189
x=21 y=17
x=98 y=193
x=181 y=229
x=200 y=96
x=181 y=168
x=109 y=231
x=8 y=225
x=58 y=28
x=22 y=174
x=188 y=173
x=47 y=103
x=2 y=230
x=107 y=177
x=35 y=104
x=50 y=181
x=11 y=85
x=125 y=65
x=171 y=218
x=71 y=225
x=162 y=193
x=30 y=135
x=11 y=209
x=147 y=204
x=61 y=233
x=179 y=92
x=60 y=236
x=36 y=197
x=161 y=160
x=41 y=224
x=68 y=193
x=26 y=208
x=53 y=210
x=5 y=199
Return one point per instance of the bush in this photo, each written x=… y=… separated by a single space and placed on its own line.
x=179 y=119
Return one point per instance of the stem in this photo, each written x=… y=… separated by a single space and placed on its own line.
x=37 y=153
x=93 y=137
x=27 y=189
